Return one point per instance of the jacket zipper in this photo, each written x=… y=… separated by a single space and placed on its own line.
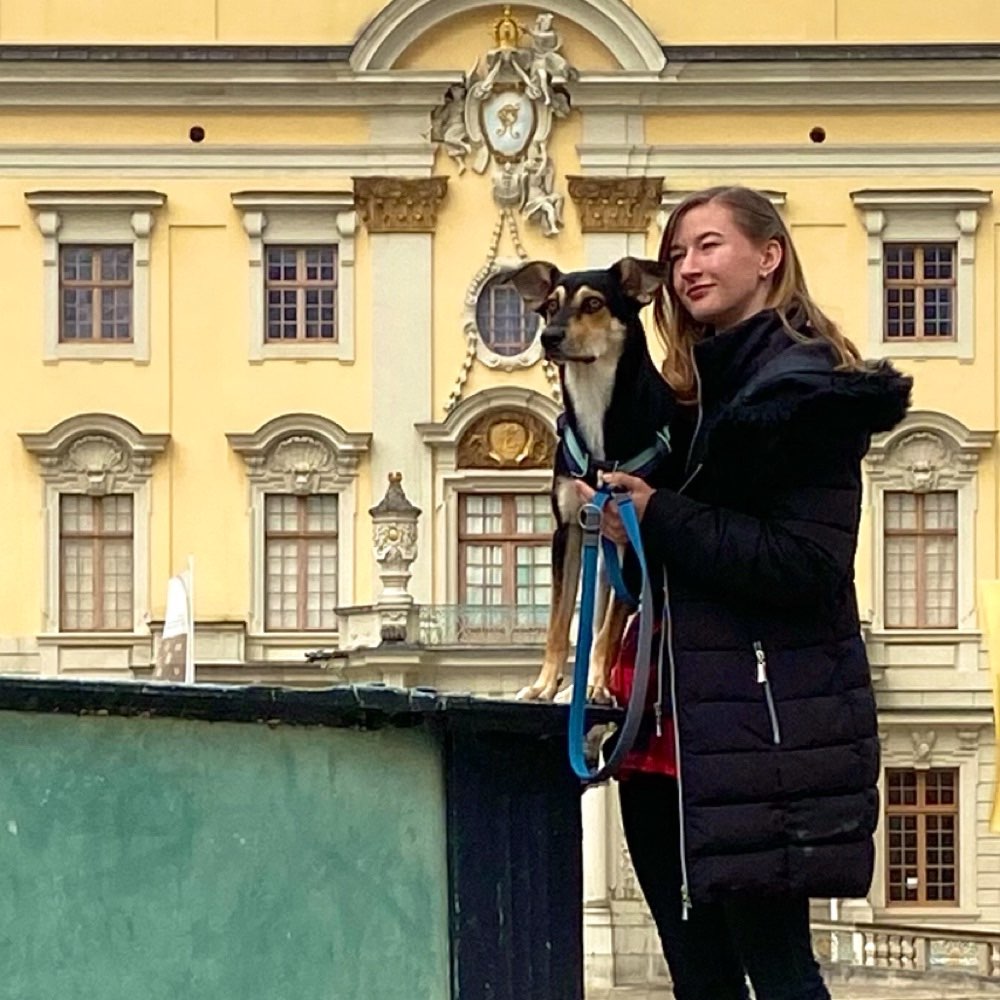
x=762 y=680
x=668 y=638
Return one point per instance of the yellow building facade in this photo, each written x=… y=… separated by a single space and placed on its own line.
x=248 y=258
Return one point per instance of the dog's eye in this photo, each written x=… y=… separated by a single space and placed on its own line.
x=592 y=304
x=551 y=307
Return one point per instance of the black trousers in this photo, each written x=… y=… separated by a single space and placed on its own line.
x=711 y=954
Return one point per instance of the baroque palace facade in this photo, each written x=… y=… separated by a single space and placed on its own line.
x=249 y=258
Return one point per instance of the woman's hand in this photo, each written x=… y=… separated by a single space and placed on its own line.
x=611 y=522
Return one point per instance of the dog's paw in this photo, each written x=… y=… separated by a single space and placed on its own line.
x=540 y=691
x=599 y=694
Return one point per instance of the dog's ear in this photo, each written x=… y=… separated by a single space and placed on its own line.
x=641 y=279
x=534 y=281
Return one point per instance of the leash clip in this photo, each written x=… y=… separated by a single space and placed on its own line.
x=590 y=518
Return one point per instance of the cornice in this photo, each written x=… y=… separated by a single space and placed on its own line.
x=833 y=52
x=893 y=159
x=131 y=161
x=122 y=201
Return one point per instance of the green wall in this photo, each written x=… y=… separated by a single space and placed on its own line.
x=167 y=859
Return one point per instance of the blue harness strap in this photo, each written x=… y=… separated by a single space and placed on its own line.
x=590 y=521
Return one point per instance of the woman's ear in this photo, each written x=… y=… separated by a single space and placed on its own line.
x=770 y=258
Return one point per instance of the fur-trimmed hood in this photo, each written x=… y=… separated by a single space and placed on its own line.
x=794 y=392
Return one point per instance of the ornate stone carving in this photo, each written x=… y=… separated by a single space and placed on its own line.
x=507 y=439
x=394 y=537
x=301 y=453
x=95 y=453
x=923 y=745
x=615 y=204
x=502 y=113
x=303 y=459
x=968 y=740
x=399 y=204
x=922 y=456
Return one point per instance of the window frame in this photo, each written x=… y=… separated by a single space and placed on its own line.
x=927 y=216
x=919 y=286
x=507 y=539
x=301 y=219
x=95 y=218
x=922 y=810
x=920 y=533
x=302 y=537
x=301 y=286
x=477 y=346
x=98 y=287
x=97 y=537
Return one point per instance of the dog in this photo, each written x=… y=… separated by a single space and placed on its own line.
x=617 y=415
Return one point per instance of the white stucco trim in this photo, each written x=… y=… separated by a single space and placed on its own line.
x=922 y=216
x=109 y=217
x=613 y=22
x=299 y=218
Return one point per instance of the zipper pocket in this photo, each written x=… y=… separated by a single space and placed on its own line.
x=762 y=680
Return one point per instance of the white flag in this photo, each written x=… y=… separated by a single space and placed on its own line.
x=175 y=657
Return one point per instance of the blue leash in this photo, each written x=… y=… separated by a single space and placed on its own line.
x=590 y=521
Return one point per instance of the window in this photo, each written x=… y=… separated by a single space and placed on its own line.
x=301 y=273
x=499 y=329
x=920 y=291
x=95 y=293
x=921 y=270
x=921 y=559
x=95 y=563
x=923 y=551
x=505 y=324
x=922 y=837
x=301 y=562
x=505 y=560
x=96 y=272
x=302 y=471
x=301 y=290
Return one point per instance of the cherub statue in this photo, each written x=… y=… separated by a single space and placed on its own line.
x=448 y=125
x=541 y=201
x=548 y=66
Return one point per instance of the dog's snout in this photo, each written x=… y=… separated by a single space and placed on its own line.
x=552 y=336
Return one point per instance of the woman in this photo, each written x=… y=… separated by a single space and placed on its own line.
x=760 y=791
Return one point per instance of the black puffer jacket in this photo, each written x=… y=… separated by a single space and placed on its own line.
x=773 y=702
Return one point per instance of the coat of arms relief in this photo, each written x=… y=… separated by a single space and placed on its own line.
x=499 y=118
x=502 y=114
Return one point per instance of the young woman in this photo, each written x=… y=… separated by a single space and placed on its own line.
x=760 y=790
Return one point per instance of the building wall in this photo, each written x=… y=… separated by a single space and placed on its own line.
x=912 y=122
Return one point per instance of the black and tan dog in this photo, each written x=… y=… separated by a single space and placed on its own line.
x=617 y=416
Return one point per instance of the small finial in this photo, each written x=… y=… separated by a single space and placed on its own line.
x=395 y=478
x=507 y=32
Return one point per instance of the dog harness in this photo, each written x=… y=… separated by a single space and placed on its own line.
x=580 y=462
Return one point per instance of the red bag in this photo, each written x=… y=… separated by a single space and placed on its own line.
x=651 y=753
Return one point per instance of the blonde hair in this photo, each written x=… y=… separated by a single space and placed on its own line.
x=755 y=217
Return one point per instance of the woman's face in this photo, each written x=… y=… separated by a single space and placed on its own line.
x=720 y=276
